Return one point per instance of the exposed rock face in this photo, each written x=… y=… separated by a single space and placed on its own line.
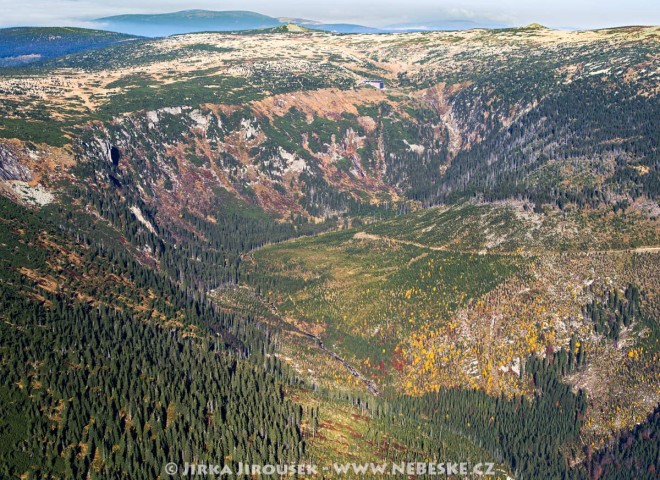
x=260 y=160
x=34 y=196
x=11 y=167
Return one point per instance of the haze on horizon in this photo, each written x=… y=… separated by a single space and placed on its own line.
x=581 y=14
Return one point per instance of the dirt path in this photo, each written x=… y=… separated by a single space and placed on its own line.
x=629 y=250
x=436 y=248
x=369 y=236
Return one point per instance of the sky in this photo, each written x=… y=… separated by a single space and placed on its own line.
x=378 y=13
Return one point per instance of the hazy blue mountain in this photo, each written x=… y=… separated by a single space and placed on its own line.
x=158 y=25
x=189 y=21
x=299 y=21
x=23 y=45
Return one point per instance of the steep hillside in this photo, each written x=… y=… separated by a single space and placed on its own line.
x=478 y=299
x=107 y=365
x=559 y=118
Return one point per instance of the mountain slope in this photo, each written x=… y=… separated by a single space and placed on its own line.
x=154 y=193
x=84 y=310
x=455 y=120
x=343 y=28
x=478 y=290
x=442 y=25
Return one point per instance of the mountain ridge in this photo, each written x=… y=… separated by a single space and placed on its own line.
x=190 y=21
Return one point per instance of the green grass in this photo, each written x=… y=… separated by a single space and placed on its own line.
x=365 y=296
x=35 y=131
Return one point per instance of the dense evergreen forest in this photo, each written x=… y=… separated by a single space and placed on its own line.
x=590 y=122
x=115 y=364
x=528 y=435
x=614 y=312
x=631 y=455
x=117 y=371
x=110 y=368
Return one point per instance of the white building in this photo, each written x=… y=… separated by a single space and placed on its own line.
x=379 y=84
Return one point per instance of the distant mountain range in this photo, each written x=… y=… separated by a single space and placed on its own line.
x=188 y=21
x=160 y=25
x=31 y=45
x=23 y=45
